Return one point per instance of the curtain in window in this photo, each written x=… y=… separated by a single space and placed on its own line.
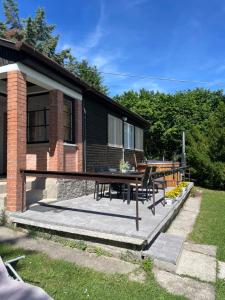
x=139 y=136
x=114 y=131
x=37 y=126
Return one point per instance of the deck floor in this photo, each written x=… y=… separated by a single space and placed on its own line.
x=105 y=219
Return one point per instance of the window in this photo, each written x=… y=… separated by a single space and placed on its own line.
x=115 y=126
x=68 y=119
x=37 y=126
x=139 y=136
x=128 y=136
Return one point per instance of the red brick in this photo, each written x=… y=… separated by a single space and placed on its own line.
x=16 y=137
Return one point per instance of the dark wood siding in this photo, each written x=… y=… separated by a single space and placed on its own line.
x=98 y=153
x=8 y=56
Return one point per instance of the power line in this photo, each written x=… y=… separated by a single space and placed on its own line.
x=162 y=78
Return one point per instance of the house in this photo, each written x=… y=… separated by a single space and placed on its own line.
x=51 y=120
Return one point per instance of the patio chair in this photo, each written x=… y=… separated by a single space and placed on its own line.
x=144 y=185
x=9 y=264
x=159 y=183
x=119 y=188
x=12 y=286
x=100 y=183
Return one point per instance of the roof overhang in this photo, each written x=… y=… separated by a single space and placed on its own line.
x=36 y=74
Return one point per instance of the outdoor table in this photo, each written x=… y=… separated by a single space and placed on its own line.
x=130 y=172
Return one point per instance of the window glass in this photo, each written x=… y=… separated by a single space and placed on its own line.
x=128 y=136
x=68 y=121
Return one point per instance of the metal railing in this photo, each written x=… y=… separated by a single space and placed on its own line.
x=127 y=179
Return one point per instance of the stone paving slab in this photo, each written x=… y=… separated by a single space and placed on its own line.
x=197 y=265
x=192 y=289
x=56 y=251
x=193 y=204
x=221 y=270
x=200 y=248
x=167 y=247
x=184 y=222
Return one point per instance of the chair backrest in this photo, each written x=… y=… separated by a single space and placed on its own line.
x=153 y=169
x=101 y=169
x=145 y=178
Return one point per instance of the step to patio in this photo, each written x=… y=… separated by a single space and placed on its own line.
x=35 y=195
x=165 y=251
x=3 y=187
x=2 y=201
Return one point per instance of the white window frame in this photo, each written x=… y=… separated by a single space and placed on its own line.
x=142 y=137
x=130 y=144
x=117 y=130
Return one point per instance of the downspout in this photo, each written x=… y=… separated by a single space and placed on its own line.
x=85 y=145
x=84 y=139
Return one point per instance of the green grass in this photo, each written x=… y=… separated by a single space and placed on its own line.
x=63 y=280
x=210 y=225
x=210 y=228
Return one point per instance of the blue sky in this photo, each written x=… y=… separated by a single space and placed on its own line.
x=179 y=39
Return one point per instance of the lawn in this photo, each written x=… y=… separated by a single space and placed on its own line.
x=210 y=225
x=210 y=228
x=63 y=280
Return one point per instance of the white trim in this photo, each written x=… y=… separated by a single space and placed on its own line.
x=141 y=150
x=69 y=145
x=40 y=79
x=115 y=146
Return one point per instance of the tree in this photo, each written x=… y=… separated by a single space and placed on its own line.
x=40 y=35
x=12 y=14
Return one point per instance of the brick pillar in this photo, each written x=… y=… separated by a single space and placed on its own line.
x=79 y=134
x=56 y=132
x=16 y=137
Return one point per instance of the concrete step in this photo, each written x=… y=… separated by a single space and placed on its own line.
x=34 y=195
x=165 y=251
x=2 y=201
x=3 y=187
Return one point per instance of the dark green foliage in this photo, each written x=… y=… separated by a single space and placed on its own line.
x=36 y=32
x=12 y=14
x=200 y=113
x=39 y=34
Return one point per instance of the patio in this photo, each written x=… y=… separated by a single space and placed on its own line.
x=104 y=219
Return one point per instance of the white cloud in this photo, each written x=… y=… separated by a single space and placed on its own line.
x=146 y=84
x=92 y=40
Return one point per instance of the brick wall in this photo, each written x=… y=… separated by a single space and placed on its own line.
x=56 y=155
x=56 y=133
x=70 y=161
x=38 y=156
x=102 y=155
x=16 y=137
